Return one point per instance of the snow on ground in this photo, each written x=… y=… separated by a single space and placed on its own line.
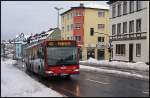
x=119 y=73
x=137 y=66
x=16 y=83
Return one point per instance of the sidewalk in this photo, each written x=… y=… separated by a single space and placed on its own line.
x=16 y=83
x=134 y=68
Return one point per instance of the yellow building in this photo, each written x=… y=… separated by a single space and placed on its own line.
x=89 y=26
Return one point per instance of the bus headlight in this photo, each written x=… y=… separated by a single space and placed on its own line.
x=76 y=70
x=49 y=72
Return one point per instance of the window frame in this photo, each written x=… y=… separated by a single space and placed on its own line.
x=92 y=33
x=138 y=49
x=130 y=26
x=138 y=28
x=119 y=9
x=113 y=11
x=101 y=13
x=67 y=28
x=124 y=29
x=131 y=9
x=78 y=38
x=138 y=8
x=119 y=29
x=101 y=26
x=100 y=39
x=124 y=7
x=120 y=49
x=77 y=26
x=113 y=29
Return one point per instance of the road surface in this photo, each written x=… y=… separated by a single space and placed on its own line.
x=96 y=84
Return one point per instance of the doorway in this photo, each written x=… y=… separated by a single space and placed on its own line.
x=130 y=52
x=100 y=54
x=90 y=53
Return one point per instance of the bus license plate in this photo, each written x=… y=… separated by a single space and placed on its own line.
x=64 y=74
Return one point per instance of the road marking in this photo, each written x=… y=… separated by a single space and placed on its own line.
x=145 y=92
x=68 y=91
x=97 y=81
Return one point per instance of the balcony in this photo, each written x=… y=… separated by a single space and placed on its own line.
x=131 y=36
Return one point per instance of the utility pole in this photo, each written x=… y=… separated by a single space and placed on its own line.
x=58 y=9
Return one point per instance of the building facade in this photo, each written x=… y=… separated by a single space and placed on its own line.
x=129 y=30
x=18 y=44
x=89 y=27
x=2 y=49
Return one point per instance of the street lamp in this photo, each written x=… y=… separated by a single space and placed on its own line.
x=58 y=9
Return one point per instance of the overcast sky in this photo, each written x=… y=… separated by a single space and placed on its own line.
x=32 y=16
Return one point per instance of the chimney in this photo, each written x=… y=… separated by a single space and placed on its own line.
x=81 y=5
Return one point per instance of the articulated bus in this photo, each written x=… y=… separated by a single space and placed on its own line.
x=53 y=58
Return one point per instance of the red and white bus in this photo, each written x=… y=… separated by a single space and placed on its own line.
x=53 y=58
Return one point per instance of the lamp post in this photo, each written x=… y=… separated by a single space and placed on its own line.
x=58 y=9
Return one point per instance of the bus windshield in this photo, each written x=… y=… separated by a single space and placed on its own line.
x=62 y=55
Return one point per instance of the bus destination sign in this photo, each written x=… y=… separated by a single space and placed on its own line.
x=61 y=43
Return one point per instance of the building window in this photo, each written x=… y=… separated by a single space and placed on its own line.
x=78 y=38
x=138 y=50
x=68 y=16
x=71 y=38
x=101 y=13
x=63 y=18
x=77 y=25
x=71 y=15
x=113 y=11
x=118 y=28
x=74 y=38
x=131 y=6
x=91 y=31
x=119 y=9
x=138 y=25
x=138 y=5
x=68 y=38
x=100 y=39
x=71 y=26
x=101 y=26
x=113 y=29
x=131 y=26
x=67 y=27
x=78 y=14
x=124 y=7
x=124 y=27
x=120 y=49
x=63 y=29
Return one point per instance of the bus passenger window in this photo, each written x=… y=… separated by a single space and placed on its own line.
x=42 y=53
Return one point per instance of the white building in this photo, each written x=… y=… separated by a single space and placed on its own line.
x=129 y=30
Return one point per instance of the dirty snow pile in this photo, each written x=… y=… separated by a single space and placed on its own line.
x=141 y=66
x=16 y=83
x=115 y=72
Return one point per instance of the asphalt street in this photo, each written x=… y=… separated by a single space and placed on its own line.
x=95 y=84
